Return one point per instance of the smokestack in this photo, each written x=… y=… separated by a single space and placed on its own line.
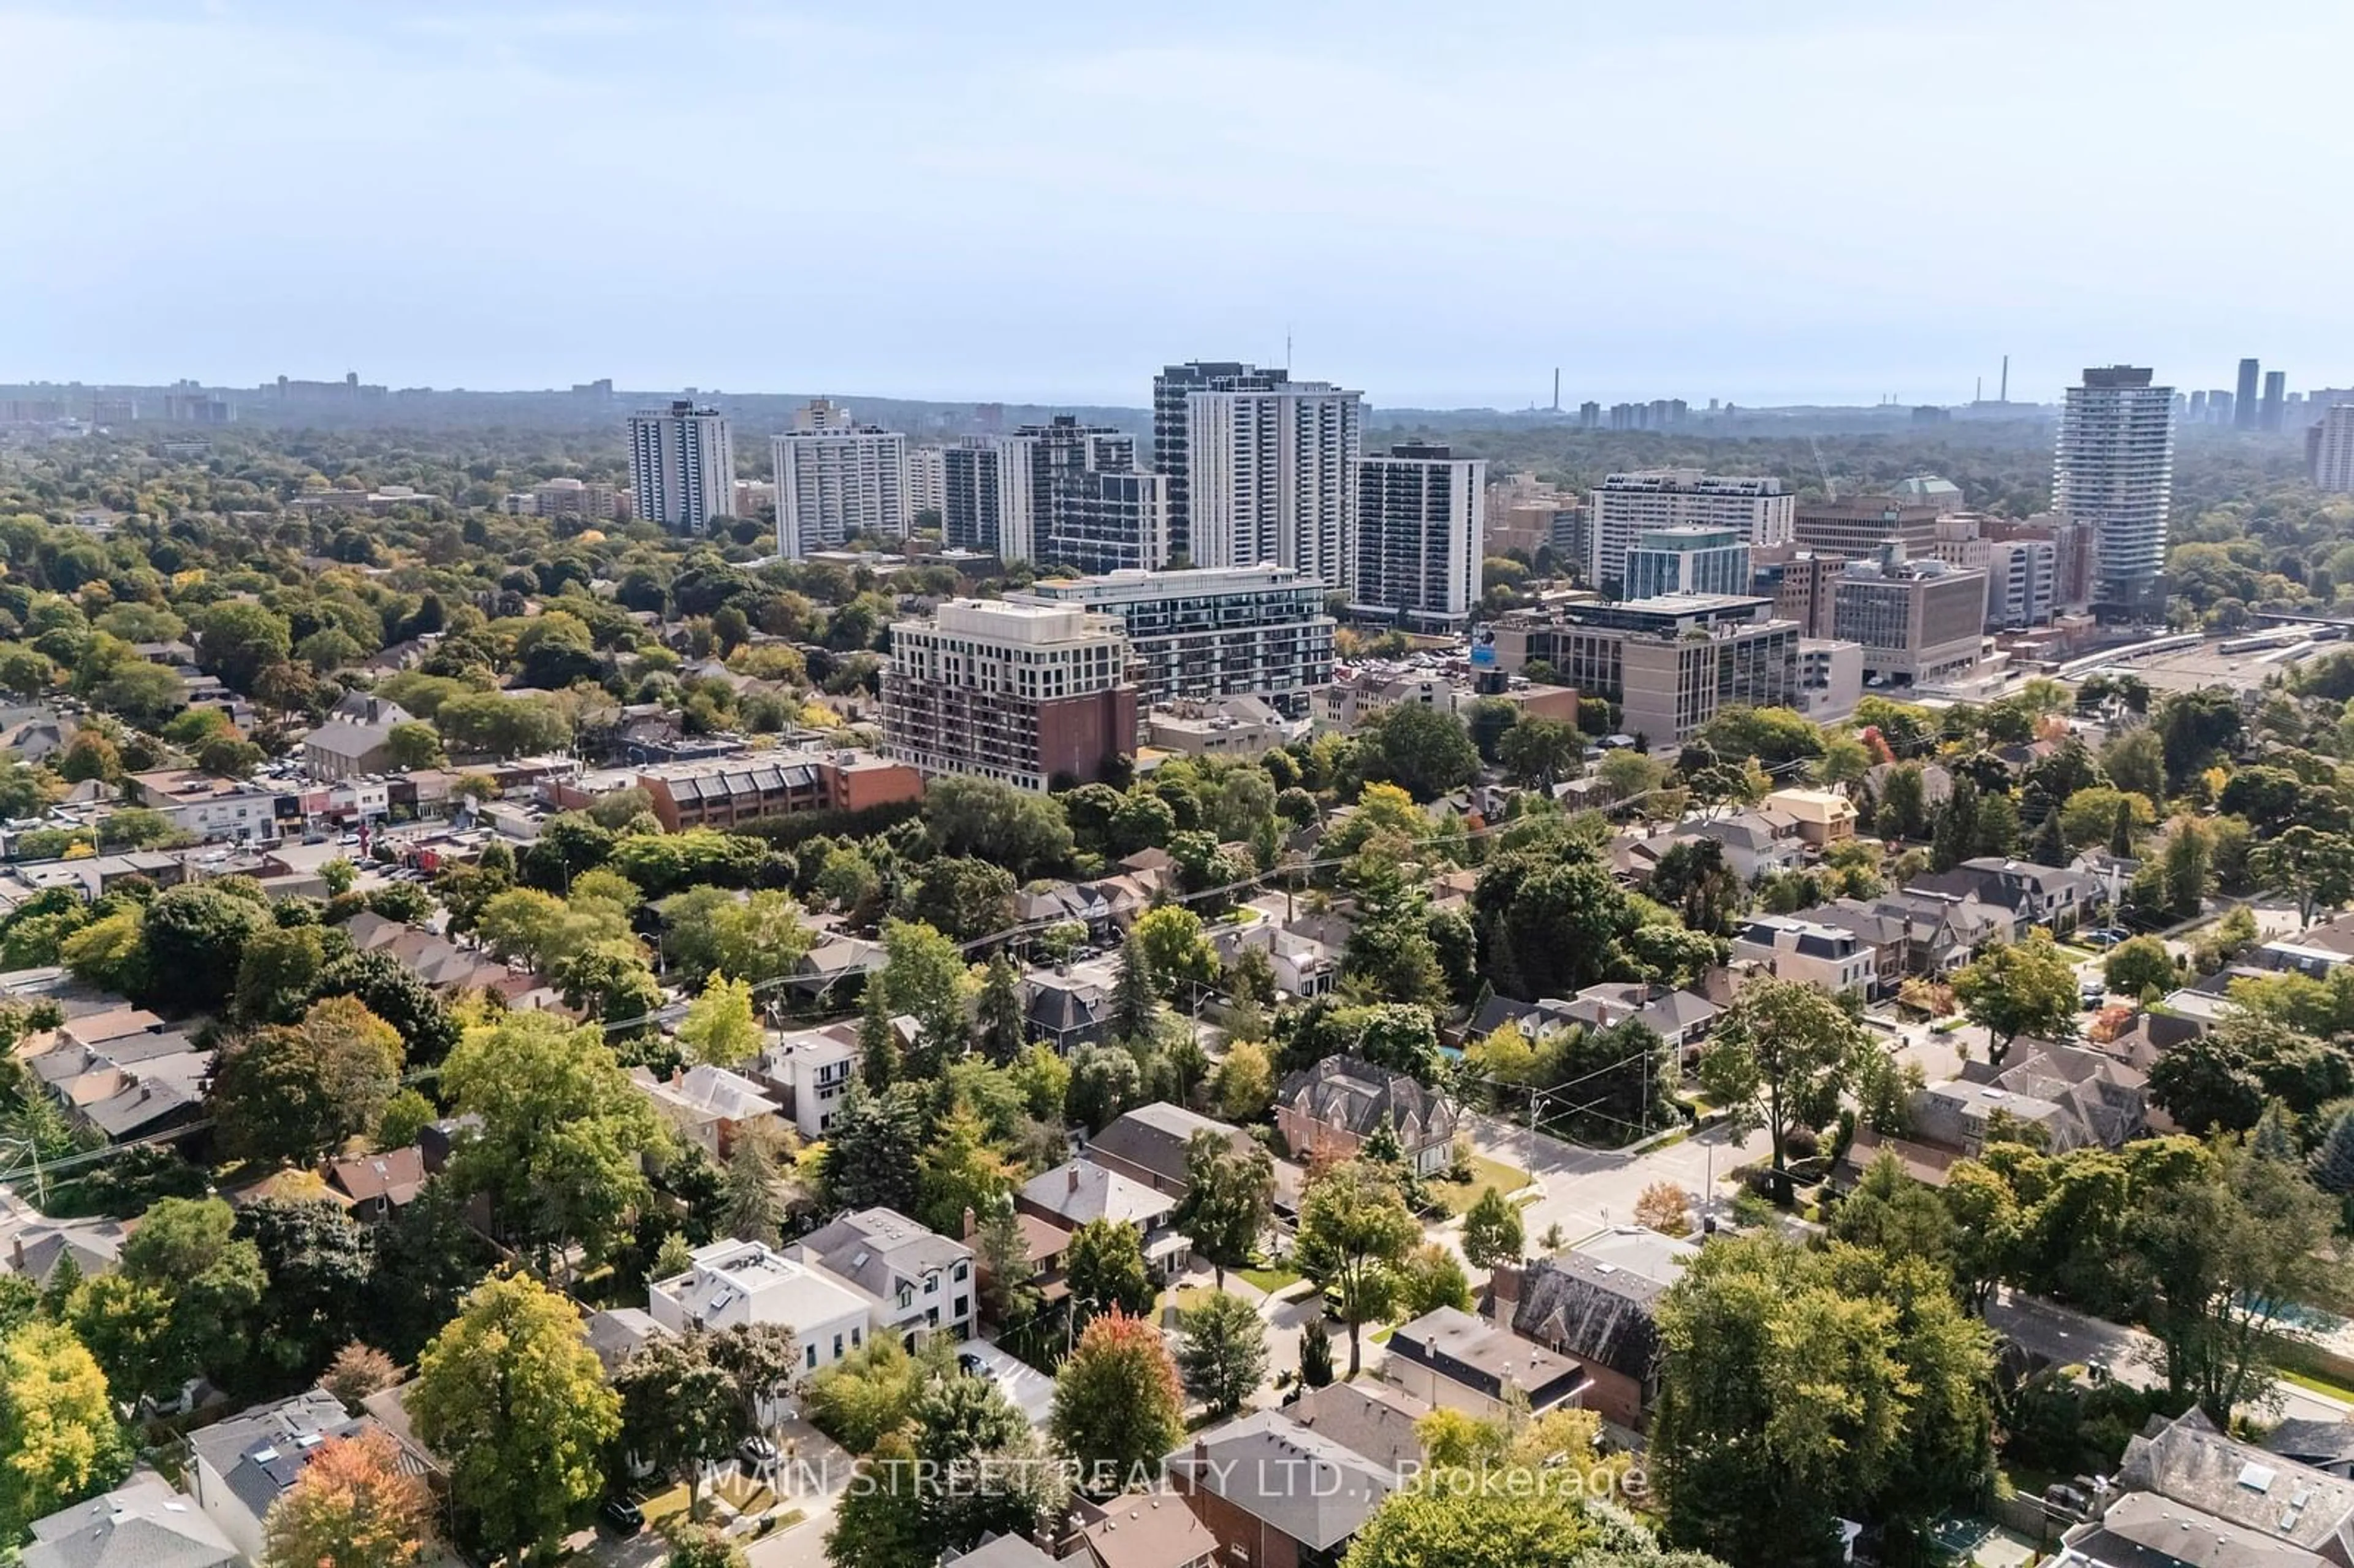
x=2004 y=396
x=1556 y=388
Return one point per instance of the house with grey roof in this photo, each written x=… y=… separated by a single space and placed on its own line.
x=1063 y=1011
x=1275 y=1493
x=1150 y=1145
x=923 y=1279
x=1594 y=1304
x=142 y=1523
x=36 y=1250
x=2213 y=1480
x=1374 y=1419
x=1682 y=1018
x=2327 y=1446
x=2079 y=1098
x=708 y=1105
x=244 y=1464
x=1327 y=1110
x=2142 y=1531
x=1079 y=1191
x=356 y=739
x=1451 y=1360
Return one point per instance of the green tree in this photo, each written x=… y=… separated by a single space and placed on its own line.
x=236 y=640
x=1135 y=999
x=1026 y=833
x=1119 y=1406
x=872 y=1149
x=682 y=1410
x=565 y=1136
x=1229 y=1199
x=2139 y=967
x=1779 y=1058
x=880 y=1520
x=415 y=744
x=1431 y=1277
x=1493 y=1233
x=2019 y=988
x=1221 y=1351
x=1354 y=1232
x=960 y=1173
x=59 y=1439
x=1104 y=1267
x=924 y=977
x=2317 y=869
x=195 y=936
x=1176 y=954
x=720 y=1026
x=1541 y=753
x=512 y=1398
x=750 y=1208
x=1000 y=1026
x=1422 y=750
x=183 y=1283
x=2222 y=1079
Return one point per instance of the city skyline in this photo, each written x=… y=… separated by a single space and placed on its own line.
x=455 y=205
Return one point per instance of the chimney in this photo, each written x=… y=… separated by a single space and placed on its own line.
x=1073 y=1185
x=971 y=1229
x=1504 y=1285
x=16 y=1246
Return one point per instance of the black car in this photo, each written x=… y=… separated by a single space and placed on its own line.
x=622 y=1516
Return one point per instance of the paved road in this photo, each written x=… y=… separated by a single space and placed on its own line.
x=2069 y=1337
x=1590 y=1190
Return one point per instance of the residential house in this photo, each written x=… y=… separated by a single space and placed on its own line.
x=810 y=1070
x=1079 y=1191
x=2188 y=1462
x=1595 y=1304
x=2037 y=894
x=1682 y=1018
x=241 y=1467
x=1942 y=929
x=2079 y=1098
x=1883 y=929
x=1452 y=1361
x=1277 y=1494
x=2141 y=1530
x=39 y=1247
x=1822 y=955
x=1825 y=817
x=1936 y=782
x=708 y=1105
x=1141 y=1530
x=1925 y=1164
x=356 y=739
x=1758 y=842
x=442 y=964
x=1106 y=906
x=379 y=1185
x=999 y=1552
x=1148 y=1144
x=619 y=1332
x=732 y=1282
x=2327 y=1446
x=142 y=1523
x=923 y=1280
x=1328 y=1110
x=1065 y=1011
x=1375 y=1419
x=120 y=1074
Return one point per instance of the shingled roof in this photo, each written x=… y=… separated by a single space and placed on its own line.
x=1352 y=1094
x=1594 y=1310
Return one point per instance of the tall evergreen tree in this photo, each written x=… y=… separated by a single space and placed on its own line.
x=878 y=1042
x=999 y=1025
x=1135 y=1008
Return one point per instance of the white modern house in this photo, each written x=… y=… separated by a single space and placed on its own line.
x=732 y=1282
x=813 y=1069
x=922 y=1281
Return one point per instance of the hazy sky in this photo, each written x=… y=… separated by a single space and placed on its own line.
x=1440 y=202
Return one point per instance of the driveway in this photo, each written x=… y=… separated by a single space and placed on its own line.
x=2069 y=1337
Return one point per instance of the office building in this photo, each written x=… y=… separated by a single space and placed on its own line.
x=1670 y=663
x=1173 y=424
x=928 y=483
x=837 y=479
x=1210 y=632
x=1799 y=581
x=2196 y=409
x=1035 y=696
x=2022 y=579
x=2244 y=409
x=1856 y=526
x=2075 y=553
x=1759 y=510
x=1917 y=620
x=2273 y=416
x=2113 y=468
x=1271 y=477
x=681 y=466
x=2218 y=408
x=1421 y=535
x=1687 y=560
x=1929 y=490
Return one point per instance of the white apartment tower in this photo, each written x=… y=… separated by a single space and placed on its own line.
x=1422 y=518
x=836 y=478
x=2113 y=468
x=681 y=466
x=1629 y=504
x=927 y=481
x=1271 y=477
x=2333 y=449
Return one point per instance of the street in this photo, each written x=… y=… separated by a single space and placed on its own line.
x=2071 y=1337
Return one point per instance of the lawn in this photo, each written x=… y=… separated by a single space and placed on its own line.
x=1457 y=1197
x=663 y=1504
x=743 y=1494
x=1270 y=1280
x=2320 y=1386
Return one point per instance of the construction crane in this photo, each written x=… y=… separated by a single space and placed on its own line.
x=1830 y=491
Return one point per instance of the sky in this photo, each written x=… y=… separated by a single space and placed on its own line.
x=1811 y=201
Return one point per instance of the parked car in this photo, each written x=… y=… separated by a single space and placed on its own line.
x=758 y=1453
x=622 y=1516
